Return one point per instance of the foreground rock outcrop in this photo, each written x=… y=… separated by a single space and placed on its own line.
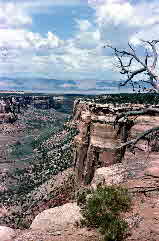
x=113 y=175
x=58 y=218
x=6 y=234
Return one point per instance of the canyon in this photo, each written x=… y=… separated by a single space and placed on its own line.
x=97 y=158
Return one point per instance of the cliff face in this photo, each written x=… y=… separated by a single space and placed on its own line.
x=97 y=141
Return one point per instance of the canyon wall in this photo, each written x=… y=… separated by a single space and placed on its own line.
x=98 y=141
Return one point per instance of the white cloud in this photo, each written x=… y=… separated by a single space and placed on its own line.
x=83 y=24
x=38 y=42
x=18 y=12
x=12 y=15
x=120 y=20
x=31 y=55
x=81 y=57
x=23 y=39
x=87 y=39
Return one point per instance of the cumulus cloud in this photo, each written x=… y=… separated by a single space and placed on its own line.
x=87 y=39
x=80 y=58
x=22 y=41
x=83 y=24
x=12 y=15
x=120 y=20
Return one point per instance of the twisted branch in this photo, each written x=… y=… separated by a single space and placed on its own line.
x=141 y=137
x=149 y=70
x=148 y=111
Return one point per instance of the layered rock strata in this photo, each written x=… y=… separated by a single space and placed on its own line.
x=98 y=141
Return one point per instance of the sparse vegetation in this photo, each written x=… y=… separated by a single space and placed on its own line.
x=48 y=151
x=132 y=98
x=102 y=209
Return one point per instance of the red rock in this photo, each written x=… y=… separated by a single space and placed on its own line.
x=6 y=234
x=155 y=163
x=152 y=171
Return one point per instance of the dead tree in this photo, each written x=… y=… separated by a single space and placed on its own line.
x=147 y=66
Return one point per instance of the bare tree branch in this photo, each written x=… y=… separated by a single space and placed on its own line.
x=149 y=70
x=136 y=72
x=148 y=111
x=147 y=65
x=152 y=44
x=146 y=57
x=130 y=46
x=142 y=136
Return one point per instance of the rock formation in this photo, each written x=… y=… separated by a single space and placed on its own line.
x=58 y=218
x=98 y=141
x=112 y=175
x=6 y=234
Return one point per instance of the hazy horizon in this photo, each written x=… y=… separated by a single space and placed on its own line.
x=59 y=45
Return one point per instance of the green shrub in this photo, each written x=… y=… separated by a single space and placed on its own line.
x=81 y=196
x=103 y=210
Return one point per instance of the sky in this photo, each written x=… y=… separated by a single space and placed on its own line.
x=57 y=45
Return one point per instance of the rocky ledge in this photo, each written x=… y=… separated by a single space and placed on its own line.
x=98 y=141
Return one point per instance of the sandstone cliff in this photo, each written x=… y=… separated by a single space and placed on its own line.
x=98 y=140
